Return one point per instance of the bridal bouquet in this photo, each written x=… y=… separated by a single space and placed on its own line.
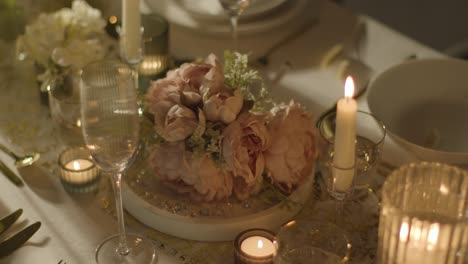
x=217 y=136
x=63 y=41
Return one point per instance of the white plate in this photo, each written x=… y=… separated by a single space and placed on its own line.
x=212 y=9
x=424 y=104
x=179 y=16
x=161 y=209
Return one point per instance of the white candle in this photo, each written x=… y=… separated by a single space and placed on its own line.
x=345 y=137
x=79 y=164
x=257 y=246
x=131 y=32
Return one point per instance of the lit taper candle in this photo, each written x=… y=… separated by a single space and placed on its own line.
x=131 y=30
x=345 y=139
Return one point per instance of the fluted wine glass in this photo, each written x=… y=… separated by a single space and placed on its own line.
x=109 y=112
x=234 y=8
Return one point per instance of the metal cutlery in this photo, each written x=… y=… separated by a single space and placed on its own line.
x=9 y=220
x=15 y=179
x=21 y=161
x=17 y=240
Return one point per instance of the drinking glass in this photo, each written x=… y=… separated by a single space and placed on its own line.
x=234 y=8
x=111 y=126
x=370 y=135
x=310 y=242
x=424 y=215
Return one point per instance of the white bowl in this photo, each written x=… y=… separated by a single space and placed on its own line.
x=424 y=105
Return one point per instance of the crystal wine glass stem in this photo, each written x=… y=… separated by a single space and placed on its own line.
x=116 y=184
x=234 y=21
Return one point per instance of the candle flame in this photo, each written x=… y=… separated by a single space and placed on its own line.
x=433 y=235
x=260 y=244
x=349 y=87
x=404 y=231
x=76 y=165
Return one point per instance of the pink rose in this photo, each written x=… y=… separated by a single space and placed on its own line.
x=185 y=173
x=291 y=156
x=223 y=106
x=244 y=141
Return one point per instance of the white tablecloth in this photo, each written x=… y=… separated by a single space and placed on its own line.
x=72 y=225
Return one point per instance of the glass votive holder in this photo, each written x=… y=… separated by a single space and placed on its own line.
x=254 y=246
x=78 y=172
x=370 y=135
x=155 y=41
x=424 y=215
x=311 y=242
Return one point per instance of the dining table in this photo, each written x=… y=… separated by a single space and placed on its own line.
x=73 y=224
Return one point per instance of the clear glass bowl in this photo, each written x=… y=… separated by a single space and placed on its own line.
x=311 y=242
x=424 y=215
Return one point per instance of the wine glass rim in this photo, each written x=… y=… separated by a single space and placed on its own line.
x=378 y=121
x=395 y=177
x=100 y=65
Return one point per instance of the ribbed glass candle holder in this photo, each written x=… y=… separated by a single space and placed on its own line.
x=424 y=215
x=78 y=173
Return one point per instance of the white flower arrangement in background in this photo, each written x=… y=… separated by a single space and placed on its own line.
x=217 y=137
x=64 y=40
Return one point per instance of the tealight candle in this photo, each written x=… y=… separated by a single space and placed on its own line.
x=257 y=246
x=79 y=164
x=78 y=172
x=254 y=246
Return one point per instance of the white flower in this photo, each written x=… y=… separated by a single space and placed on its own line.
x=79 y=52
x=63 y=30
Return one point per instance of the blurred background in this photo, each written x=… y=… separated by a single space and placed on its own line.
x=442 y=25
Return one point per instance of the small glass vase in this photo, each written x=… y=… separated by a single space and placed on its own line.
x=64 y=106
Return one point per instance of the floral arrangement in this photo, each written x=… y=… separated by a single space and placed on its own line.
x=218 y=137
x=64 y=40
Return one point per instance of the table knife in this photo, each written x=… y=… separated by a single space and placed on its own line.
x=18 y=239
x=15 y=179
x=8 y=221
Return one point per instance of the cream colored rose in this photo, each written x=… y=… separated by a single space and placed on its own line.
x=244 y=141
x=291 y=156
x=185 y=173
x=223 y=106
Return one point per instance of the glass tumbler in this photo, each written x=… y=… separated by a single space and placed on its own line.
x=424 y=215
x=302 y=241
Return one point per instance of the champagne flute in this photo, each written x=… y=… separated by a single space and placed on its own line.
x=111 y=126
x=234 y=8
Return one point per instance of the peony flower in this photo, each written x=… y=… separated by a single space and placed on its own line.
x=79 y=52
x=291 y=156
x=177 y=124
x=59 y=29
x=197 y=176
x=244 y=141
x=223 y=106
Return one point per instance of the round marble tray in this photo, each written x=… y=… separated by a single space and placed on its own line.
x=163 y=210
